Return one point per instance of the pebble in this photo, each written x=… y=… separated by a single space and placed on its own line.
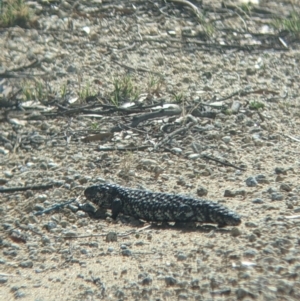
x=226 y=139
x=228 y=193
x=170 y=280
x=193 y=156
x=202 y=191
x=146 y=281
x=276 y=196
x=3 y=279
x=176 y=150
x=126 y=252
x=111 y=236
x=51 y=225
x=285 y=187
x=257 y=201
x=251 y=182
x=235 y=232
x=69 y=233
x=26 y=264
x=181 y=257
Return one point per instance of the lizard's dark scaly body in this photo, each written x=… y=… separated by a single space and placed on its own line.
x=156 y=206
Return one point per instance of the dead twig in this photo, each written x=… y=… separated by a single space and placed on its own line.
x=226 y=163
x=55 y=207
x=24 y=188
x=123 y=149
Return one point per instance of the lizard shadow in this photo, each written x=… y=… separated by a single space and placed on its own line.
x=137 y=223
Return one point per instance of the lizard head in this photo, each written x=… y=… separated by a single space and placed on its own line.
x=101 y=195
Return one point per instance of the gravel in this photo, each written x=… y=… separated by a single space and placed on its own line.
x=79 y=250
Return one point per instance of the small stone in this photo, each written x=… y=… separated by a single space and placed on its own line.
x=8 y=174
x=111 y=236
x=229 y=194
x=170 y=280
x=261 y=179
x=176 y=150
x=285 y=187
x=126 y=252
x=226 y=139
x=26 y=264
x=3 y=279
x=201 y=191
x=147 y=281
x=280 y=170
x=193 y=156
x=71 y=69
x=235 y=232
x=276 y=197
x=51 y=225
x=41 y=198
x=251 y=182
x=257 y=201
x=235 y=107
x=19 y=294
x=181 y=257
x=38 y=207
x=69 y=233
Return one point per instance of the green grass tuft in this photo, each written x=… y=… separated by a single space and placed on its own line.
x=14 y=12
x=291 y=24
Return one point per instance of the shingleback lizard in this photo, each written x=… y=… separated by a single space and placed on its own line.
x=157 y=206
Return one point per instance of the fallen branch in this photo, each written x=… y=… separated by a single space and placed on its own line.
x=24 y=188
x=226 y=163
x=55 y=207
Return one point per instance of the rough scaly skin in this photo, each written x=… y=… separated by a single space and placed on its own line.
x=156 y=206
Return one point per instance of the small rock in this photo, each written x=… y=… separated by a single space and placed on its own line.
x=181 y=257
x=251 y=182
x=41 y=198
x=276 y=197
x=229 y=194
x=176 y=150
x=235 y=232
x=201 y=191
x=26 y=264
x=193 y=156
x=285 y=187
x=147 y=281
x=257 y=201
x=235 y=107
x=51 y=225
x=8 y=174
x=3 y=279
x=111 y=236
x=69 y=233
x=226 y=139
x=280 y=170
x=126 y=252
x=170 y=280
x=261 y=179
